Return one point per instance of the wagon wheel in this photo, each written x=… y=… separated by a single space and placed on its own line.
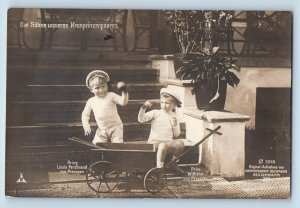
x=102 y=177
x=155 y=180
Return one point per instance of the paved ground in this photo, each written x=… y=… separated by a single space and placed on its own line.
x=203 y=186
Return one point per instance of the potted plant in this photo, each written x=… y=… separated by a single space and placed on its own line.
x=198 y=34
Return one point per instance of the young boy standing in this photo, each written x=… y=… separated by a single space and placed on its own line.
x=103 y=105
x=164 y=126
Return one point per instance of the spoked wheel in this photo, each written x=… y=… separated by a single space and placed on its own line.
x=102 y=177
x=155 y=180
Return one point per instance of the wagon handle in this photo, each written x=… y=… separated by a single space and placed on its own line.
x=211 y=132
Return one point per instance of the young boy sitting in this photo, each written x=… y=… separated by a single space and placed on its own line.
x=164 y=127
x=103 y=105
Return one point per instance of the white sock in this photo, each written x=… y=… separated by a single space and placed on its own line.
x=160 y=164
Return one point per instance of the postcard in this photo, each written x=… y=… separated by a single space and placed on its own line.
x=117 y=103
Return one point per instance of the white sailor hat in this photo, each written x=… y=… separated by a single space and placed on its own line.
x=173 y=94
x=96 y=73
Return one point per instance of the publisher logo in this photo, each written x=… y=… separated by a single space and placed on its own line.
x=21 y=179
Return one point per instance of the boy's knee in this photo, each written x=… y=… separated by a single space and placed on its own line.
x=179 y=145
x=162 y=146
x=179 y=142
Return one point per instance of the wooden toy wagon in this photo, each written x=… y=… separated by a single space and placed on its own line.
x=109 y=160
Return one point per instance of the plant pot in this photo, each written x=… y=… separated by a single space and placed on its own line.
x=204 y=94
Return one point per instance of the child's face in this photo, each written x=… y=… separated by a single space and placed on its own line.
x=99 y=87
x=167 y=104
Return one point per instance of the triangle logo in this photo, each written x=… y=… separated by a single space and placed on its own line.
x=21 y=179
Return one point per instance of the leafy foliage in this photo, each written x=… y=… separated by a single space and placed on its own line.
x=197 y=33
x=203 y=67
x=194 y=28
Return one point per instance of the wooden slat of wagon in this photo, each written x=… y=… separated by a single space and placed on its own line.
x=125 y=146
x=121 y=150
x=128 y=146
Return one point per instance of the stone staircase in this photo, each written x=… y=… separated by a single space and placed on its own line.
x=46 y=94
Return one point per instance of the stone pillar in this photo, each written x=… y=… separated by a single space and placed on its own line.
x=165 y=65
x=221 y=154
x=183 y=90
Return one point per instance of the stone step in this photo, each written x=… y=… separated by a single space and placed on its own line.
x=78 y=92
x=58 y=134
x=75 y=56
x=47 y=161
x=22 y=75
x=28 y=113
x=48 y=149
x=133 y=145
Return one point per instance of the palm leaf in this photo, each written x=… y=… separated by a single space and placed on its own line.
x=231 y=79
x=179 y=70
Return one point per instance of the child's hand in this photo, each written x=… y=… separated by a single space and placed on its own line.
x=121 y=86
x=147 y=104
x=173 y=122
x=87 y=130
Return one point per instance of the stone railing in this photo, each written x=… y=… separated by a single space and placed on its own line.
x=221 y=154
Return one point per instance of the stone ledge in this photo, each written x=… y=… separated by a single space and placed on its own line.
x=215 y=116
x=244 y=61
x=162 y=57
x=178 y=82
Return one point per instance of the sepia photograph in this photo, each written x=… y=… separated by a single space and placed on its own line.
x=120 y=103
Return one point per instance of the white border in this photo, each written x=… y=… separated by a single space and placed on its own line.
x=289 y=5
